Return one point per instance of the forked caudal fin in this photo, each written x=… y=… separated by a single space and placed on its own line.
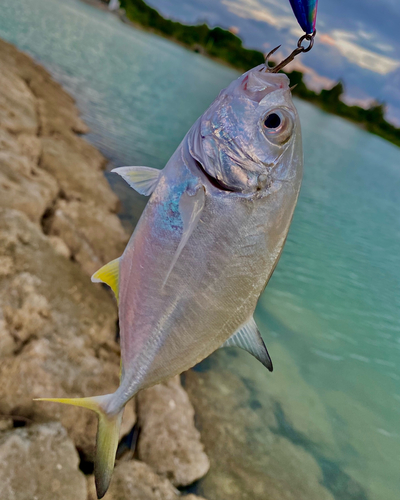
x=107 y=437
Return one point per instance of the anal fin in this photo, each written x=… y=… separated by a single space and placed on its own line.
x=248 y=337
x=142 y=179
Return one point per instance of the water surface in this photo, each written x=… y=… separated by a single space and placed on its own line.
x=326 y=423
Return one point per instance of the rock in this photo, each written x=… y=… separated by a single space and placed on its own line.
x=77 y=168
x=57 y=329
x=87 y=230
x=135 y=480
x=40 y=463
x=57 y=332
x=192 y=497
x=23 y=185
x=6 y=424
x=48 y=172
x=168 y=440
x=257 y=460
x=60 y=246
x=129 y=418
x=17 y=105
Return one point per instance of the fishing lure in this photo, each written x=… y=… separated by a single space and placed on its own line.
x=305 y=12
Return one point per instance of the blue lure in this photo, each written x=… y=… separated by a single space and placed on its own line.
x=306 y=14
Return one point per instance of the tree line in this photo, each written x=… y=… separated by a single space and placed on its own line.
x=222 y=44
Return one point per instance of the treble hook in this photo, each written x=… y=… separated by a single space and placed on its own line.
x=300 y=48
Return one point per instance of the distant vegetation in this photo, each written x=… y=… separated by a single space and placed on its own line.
x=372 y=119
x=214 y=42
x=224 y=45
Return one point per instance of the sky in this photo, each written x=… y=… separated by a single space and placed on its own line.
x=357 y=42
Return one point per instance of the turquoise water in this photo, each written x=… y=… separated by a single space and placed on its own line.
x=331 y=313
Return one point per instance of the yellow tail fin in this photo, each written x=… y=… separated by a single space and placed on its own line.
x=107 y=437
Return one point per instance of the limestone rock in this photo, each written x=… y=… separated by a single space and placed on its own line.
x=87 y=230
x=135 y=480
x=60 y=246
x=77 y=167
x=168 y=440
x=57 y=332
x=23 y=185
x=47 y=171
x=40 y=462
x=17 y=105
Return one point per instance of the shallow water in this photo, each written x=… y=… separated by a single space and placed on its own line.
x=330 y=315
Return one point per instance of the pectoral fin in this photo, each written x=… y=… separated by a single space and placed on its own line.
x=109 y=274
x=141 y=179
x=249 y=338
x=190 y=208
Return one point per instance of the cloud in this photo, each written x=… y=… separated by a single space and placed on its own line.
x=347 y=45
x=351 y=45
x=326 y=39
x=313 y=80
x=360 y=46
x=254 y=9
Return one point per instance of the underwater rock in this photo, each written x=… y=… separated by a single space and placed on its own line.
x=169 y=440
x=40 y=462
x=255 y=461
x=135 y=480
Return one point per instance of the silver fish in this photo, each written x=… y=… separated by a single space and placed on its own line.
x=206 y=244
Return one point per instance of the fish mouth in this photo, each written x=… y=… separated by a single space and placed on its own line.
x=212 y=180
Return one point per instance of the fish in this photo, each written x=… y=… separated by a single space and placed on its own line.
x=206 y=245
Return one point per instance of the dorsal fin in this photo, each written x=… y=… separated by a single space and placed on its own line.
x=141 y=179
x=190 y=208
x=249 y=338
x=109 y=274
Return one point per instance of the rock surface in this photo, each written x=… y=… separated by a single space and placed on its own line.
x=40 y=463
x=58 y=225
x=47 y=171
x=57 y=331
x=135 y=480
x=57 y=217
x=169 y=440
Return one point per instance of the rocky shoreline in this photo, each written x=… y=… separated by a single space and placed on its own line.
x=59 y=224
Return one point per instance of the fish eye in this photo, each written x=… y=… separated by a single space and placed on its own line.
x=273 y=120
x=278 y=125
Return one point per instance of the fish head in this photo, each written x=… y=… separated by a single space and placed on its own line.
x=249 y=140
